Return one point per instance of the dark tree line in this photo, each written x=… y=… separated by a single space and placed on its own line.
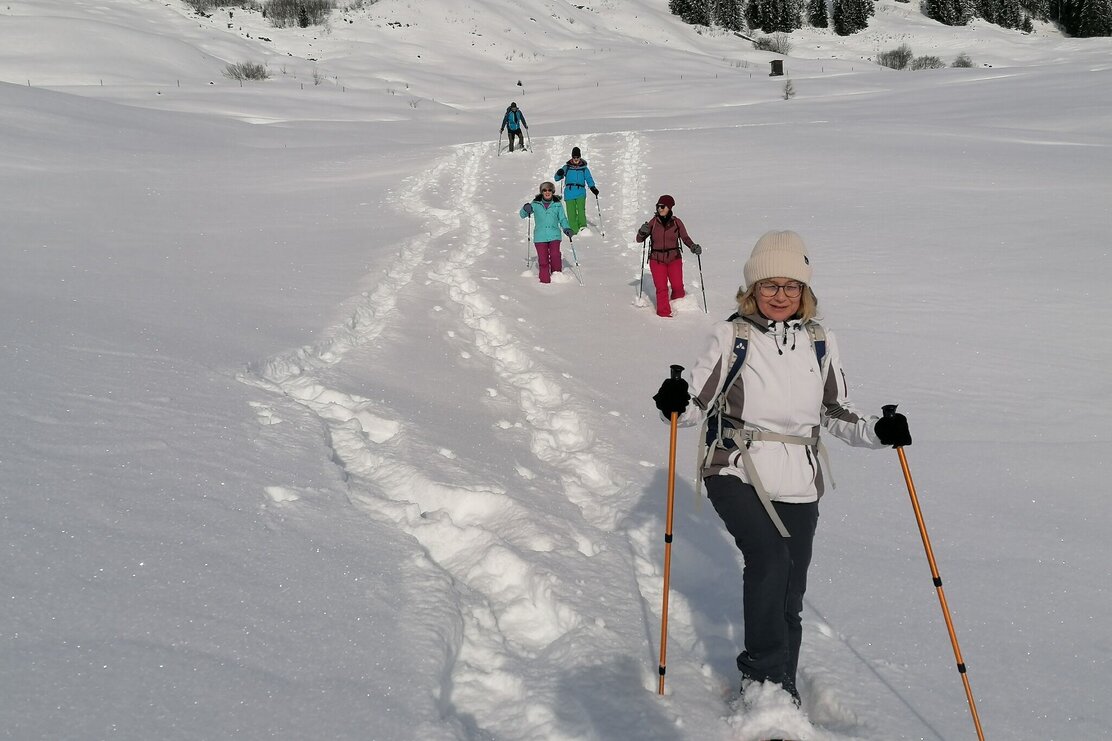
x=775 y=16
x=724 y=13
x=1075 y=17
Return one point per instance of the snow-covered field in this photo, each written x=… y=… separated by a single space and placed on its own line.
x=297 y=447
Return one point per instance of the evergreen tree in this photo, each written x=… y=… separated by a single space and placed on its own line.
x=851 y=16
x=756 y=14
x=816 y=13
x=727 y=14
x=950 y=12
x=1088 y=18
x=1009 y=14
x=775 y=16
x=695 y=12
x=989 y=10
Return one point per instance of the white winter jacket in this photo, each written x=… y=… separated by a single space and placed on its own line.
x=781 y=389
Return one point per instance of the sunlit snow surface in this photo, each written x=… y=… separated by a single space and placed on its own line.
x=297 y=446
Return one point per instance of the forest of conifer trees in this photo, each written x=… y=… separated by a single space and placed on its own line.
x=1081 y=18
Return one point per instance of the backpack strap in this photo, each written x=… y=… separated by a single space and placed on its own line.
x=710 y=433
x=718 y=433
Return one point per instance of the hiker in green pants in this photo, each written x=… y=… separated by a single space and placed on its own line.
x=577 y=180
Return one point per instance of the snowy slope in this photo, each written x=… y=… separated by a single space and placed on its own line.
x=299 y=448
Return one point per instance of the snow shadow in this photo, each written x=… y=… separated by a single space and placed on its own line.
x=705 y=573
x=609 y=701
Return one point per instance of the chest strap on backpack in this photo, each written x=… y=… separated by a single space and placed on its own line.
x=744 y=437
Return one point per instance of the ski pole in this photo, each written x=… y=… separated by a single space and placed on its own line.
x=499 y=143
x=890 y=410
x=701 y=284
x=676 y=371
x=575 y=261
x=529 y=139
x=600 y=226
x=641 y=280
x=528 y=242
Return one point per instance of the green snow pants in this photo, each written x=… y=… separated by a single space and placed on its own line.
x=577 y=213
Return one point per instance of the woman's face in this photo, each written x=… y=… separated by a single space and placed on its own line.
x=546 y=194
x=662 y=211
x=779 y=306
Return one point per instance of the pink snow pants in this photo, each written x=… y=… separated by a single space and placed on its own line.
x=549 y=260
x=663 y=274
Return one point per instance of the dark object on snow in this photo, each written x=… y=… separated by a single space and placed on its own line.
x=777 y=68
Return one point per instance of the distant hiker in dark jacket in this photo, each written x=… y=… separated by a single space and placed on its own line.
x=514 y=120
x=577 y=180
x=665 y=232
x=549 y=221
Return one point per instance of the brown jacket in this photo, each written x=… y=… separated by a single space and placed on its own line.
x=665 y=238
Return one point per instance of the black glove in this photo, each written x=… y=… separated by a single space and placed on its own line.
x=568 y=233
x=560 y=173
x=527 y=208
x=672 y=396
x=892 y=429
x=696 y=249
x=645 y=230
x=594 y=190
x=502 y=130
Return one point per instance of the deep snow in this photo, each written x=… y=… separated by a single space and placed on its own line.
x=297 y=446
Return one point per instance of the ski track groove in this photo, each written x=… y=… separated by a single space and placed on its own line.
x=475 y=536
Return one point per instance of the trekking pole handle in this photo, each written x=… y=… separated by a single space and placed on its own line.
x=889 y=410
x=676 y=371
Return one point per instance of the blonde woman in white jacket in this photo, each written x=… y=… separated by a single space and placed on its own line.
x=769 y=380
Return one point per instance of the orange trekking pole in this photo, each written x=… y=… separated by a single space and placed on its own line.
x=676 y=371
x=889 y=411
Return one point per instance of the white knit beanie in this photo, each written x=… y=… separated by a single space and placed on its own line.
x=778 y=255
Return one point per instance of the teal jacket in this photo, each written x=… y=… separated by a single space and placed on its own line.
x=549 y=222
x=578 y=179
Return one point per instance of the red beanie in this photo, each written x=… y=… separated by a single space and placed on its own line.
x=668 y=201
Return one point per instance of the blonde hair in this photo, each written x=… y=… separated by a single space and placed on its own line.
x=808 y=302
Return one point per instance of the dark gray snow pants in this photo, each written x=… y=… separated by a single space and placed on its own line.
x=773 y=580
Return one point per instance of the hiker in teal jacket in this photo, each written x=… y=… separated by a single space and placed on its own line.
x=577 y=181
x=549 y=220
x=514 y=120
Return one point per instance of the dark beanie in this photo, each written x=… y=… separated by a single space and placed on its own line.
x=668 y=201
x=575 y=152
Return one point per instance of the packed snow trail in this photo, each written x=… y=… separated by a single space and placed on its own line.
x=502 y=557
x=511 y=627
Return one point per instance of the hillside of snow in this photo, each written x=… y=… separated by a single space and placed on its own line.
x=298 y=447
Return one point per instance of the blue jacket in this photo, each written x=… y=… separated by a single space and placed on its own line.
x=549 y=222
x=576 y=178
x=514 y=119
